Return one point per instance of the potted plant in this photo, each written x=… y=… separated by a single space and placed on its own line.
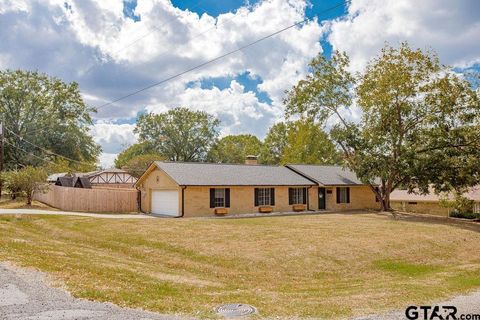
x=298 y=207
x=265 y=209
x=221 y=211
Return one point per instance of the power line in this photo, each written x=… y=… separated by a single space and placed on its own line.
x=45 y=150
x=152 y=30
x=217 y=58
x=29 y=153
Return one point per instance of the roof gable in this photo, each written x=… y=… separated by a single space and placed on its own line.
x=327 y=175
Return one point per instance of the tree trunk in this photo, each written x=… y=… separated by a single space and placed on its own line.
x=29 y=199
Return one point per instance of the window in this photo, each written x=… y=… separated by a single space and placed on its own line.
x=343 y=195
x=219 y=198
x=297 y=195
x=264 y=197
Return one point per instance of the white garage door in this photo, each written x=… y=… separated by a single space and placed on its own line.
x=165 y=202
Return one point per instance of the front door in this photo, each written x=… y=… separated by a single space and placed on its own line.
x=321 y=199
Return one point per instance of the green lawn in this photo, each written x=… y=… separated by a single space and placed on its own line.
x=309 y=266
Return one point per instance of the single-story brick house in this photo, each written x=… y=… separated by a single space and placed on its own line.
x=205 y=189
x=429 y=203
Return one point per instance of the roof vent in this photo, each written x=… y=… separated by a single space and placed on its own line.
x=251 y=159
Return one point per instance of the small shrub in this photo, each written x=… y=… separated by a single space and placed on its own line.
x=465 y=215
x=25 y=182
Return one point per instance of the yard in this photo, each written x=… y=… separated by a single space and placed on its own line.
x=332 y=265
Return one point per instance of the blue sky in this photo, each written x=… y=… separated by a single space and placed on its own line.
x=114 y=47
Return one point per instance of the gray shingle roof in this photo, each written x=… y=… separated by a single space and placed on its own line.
x=211 y=174
x=327 y=175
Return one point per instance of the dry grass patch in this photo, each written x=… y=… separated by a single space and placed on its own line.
x=20 y=203
x=326 y=266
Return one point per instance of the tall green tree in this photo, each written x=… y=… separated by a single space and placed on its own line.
x=308 y=143
x=134 y=151
x=234 y=148
x=300 y=141
x=179 y=134
x=44 y=111
x=419 y=126
x=274 y=144
x=137 y=165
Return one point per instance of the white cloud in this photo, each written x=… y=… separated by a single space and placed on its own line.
x=239 y=110
x=106 y=160
x=113 y=137
x=451 y=28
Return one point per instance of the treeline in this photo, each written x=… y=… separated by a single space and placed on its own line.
x=181 y=134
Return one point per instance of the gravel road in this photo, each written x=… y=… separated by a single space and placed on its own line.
x=24 y=295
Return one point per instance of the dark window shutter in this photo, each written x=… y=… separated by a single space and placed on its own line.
x=304 y=195
x=212 y=198
x=256 y=197
x=338 y=195
x=272 y=196
x=227 y=197
x=348 y=195
x=290 y=196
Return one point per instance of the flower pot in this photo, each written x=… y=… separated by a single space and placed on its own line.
x=298 y=207
x=265 y=209
x=221 y=211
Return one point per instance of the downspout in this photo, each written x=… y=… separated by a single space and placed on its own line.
x=139 y=200
x=183 y=202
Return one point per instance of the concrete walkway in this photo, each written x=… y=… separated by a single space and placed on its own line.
x=80 y=214
x=25 y=295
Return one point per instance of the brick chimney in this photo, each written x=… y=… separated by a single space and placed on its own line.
x=251 y=160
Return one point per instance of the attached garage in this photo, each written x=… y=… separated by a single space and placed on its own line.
x=165 y=202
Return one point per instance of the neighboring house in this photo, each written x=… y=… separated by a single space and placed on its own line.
x=205 y=189
x=73 y=182
x=110 y=178
x=113 y=177
x=429 y=203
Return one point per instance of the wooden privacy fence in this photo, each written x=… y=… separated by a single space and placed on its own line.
x=92 y=200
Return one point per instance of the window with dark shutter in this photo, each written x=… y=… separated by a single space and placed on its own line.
x=297 y=196
x=263 y=196
x=343 y=195
x=219 y=197
x=272 y=196
x=212 y=198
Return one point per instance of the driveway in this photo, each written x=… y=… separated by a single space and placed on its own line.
x=81 y=214
x=25 y=295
